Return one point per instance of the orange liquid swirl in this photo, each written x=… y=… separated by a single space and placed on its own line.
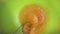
x=34 y=15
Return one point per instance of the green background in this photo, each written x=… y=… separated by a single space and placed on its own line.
x=9 y=11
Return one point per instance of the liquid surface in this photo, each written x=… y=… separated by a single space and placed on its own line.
x=32 y=18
